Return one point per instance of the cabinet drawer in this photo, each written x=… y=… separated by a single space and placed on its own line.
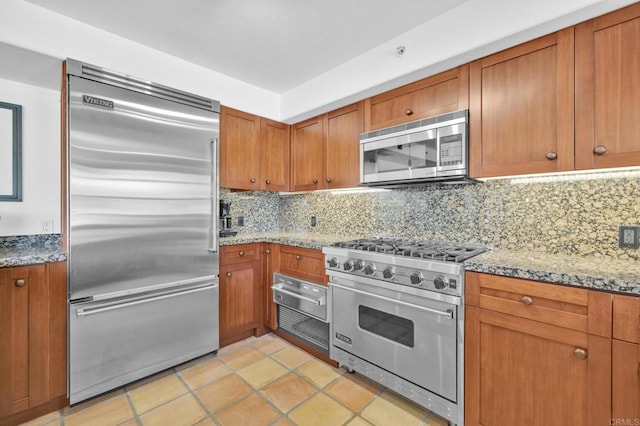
x=239 y=253
x=626 y=318
x=572 y=308
x=303 y=263
x=445 y=92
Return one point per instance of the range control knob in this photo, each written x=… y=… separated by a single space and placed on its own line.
x=333 y=262
x=358 y=265
x=347 y=265
x=440 y=282
x=416 y=278
x=387 y=273
x=369 y=269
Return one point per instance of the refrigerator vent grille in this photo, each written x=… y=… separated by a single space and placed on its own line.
x=143 y=86
x=305 y=328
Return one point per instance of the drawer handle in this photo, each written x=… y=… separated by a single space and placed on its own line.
x=408 y=111
x=240 y=253
x=328 y=180
x=580 y=353
x=599 y=150
x=315 y=181
x=228 y=274
x=252 y=180
x=268 y=251
x=527 y=301
x=20 y=283
x=551 y=155
x=268 y=181
x=298 y=257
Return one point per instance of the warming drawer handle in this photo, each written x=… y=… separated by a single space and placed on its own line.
x=448 y=313
x=83 y=312
x=318 y=302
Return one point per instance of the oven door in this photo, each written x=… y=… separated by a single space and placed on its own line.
x=410 y=336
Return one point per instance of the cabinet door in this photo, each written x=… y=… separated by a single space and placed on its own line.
x=274 y=153
x=343 y=147
x=307 y=155
x=438 y=94
x=240 y=298
x=607 y=90
x=239 y=150
x=272 y=261
x=520 y=371
x=521 y=108
x=626 y=382
x=33 y=334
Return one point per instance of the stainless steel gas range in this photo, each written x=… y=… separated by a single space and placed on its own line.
x=398 y=316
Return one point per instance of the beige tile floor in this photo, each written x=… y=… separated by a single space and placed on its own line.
x=259 y=381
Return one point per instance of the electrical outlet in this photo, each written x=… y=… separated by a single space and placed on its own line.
x=240 y=220
x=629 y=237
x=313 y=221
x=46 y=225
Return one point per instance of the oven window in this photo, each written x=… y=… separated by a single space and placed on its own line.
x=386 y=325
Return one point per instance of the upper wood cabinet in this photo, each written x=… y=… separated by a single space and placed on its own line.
x=438 y=94
x=536 y=353
x=521 y=108
x=307 y=154
x=274 y=154
x=325 y=150
x=342 y=162
x=607 y=90
x=33 y=332
x=239 y=150
x=254 y=152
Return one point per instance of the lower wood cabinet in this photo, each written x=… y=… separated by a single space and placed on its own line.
x=626 y=360
x=271 y=265
x=241 y=293
x=33 y=332
x=535 y=353
x=306 y=264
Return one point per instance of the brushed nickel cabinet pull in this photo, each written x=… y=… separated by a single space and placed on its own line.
x=527 y=301
x=20 y=282
x=551 y=155
x=599 y=150
x=580 y=353
x=408 y=111
x=241 y=253
x=228 y=274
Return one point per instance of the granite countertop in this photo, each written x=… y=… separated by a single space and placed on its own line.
x=599 y=273
x=24 y=250
x=311 y=241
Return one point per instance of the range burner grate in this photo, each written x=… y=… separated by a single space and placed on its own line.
x=448 y=252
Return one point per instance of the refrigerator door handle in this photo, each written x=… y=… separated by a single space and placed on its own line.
x=214 y=196
x=83 y=312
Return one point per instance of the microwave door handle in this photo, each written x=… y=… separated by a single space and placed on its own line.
x=448 y=313
x=318 y=302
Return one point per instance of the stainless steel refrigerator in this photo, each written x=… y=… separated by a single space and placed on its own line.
x=142 y=222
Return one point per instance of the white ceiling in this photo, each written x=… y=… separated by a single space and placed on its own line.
x=272 y=44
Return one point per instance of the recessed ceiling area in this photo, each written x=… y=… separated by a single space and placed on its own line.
x=273 y=44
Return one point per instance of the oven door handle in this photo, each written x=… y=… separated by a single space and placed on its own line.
x=448 y=313
x=318 y=302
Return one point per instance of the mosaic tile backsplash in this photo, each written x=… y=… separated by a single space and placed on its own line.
x=579 y=217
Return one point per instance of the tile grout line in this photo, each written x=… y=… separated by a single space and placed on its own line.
x=132 y=406
x=193 y=394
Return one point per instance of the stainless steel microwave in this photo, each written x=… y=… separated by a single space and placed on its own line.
x=432 y=149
